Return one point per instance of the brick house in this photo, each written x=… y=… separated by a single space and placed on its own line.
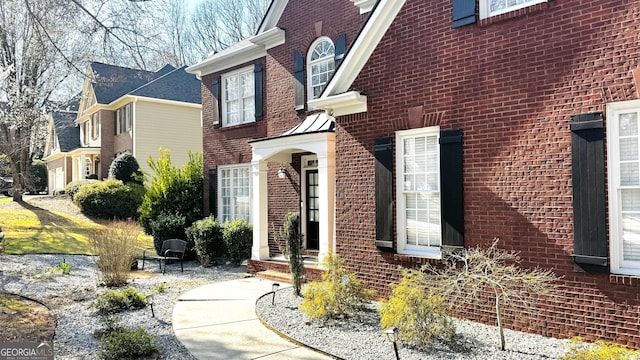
x=128 y=110
x=401 y=127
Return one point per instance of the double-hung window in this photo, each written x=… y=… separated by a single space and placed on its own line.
x=238 y=97
x=95 y=126
x=320 y=66
x=234 y=191
x=623 y=141
x=490 y=8
x=418 y=192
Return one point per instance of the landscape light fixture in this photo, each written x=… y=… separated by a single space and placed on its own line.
x=274 y=288
x=282 y=172
x=150 y=302
x=392 y=336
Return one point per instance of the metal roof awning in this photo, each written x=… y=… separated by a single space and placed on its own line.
x=312 y=124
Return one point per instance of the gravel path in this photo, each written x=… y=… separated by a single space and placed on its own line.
x=362 y=339
x=70 y=297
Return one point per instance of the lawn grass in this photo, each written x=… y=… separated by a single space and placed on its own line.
x=37 y=231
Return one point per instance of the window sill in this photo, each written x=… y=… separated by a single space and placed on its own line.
x=535 y=8
x=413 y=261
x=627 y=280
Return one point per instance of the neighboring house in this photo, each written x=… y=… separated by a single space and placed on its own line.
x=63 y=138
x=399 y=128
x=136 y=111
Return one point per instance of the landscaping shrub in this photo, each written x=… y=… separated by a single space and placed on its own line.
x=238 y=240
x=293 y=239
x=124 y=344
x=38 y=177
x=112 y=301
x=116 y=246
x=600 y=350
x=338 y=296
x=73 y=187
x=206 y=235
x=173 y=191
x=170 y=226
x=419 y=316
x=110 y=199
x=125 y=167
x=92 y=177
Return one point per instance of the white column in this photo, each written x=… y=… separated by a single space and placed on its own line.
x=327 y=182
x=259 y=207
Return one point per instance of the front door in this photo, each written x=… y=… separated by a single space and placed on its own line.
x=312 y=210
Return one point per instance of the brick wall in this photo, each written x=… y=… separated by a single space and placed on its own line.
x=223 y=146
x=511 y=84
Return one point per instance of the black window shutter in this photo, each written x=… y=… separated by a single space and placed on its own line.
x=464 y=12
x=589 y=218
x=298 y=73
x=215 y=95
x=340 y=48
x=258 y=98
x=213 y=187
x=451 y=190
x=384 y=193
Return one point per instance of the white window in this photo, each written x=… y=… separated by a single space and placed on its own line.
x=623 y=144
x=124 y=117
x=490 y=8
x=234 y=192
x=418 y=191
x=238 y=97
x=320 y=66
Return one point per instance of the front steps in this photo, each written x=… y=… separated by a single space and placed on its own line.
x=277 y=269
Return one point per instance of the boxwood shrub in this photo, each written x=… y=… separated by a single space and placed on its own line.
x=110 y=199
x=206 y=235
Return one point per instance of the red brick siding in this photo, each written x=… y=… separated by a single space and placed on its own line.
x=107 y=146
x=511 y=85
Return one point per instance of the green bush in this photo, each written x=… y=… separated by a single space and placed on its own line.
x=294 y=250
x=238 y=240
x=170 y=226
x=173 y=191
x=38 y=177
x=419 y=316
x=124 y=344
x=125 y=167
x=110 y=199
x=206 y=235
x=73 y=187
x=600 y=350
x=112 y=301
x=338 y=296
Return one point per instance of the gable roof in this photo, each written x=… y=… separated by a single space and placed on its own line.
x=176 y=85
x=67 y=132
x=112 y=82
x=336 y=97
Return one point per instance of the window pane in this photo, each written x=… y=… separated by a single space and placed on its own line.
x=629 y=148
x=631 y=236
x=628 y=124
x=629 y=174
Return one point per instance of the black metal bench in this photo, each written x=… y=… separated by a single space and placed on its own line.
x=172 y=249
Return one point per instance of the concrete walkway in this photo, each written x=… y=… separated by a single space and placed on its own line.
x=218 y=321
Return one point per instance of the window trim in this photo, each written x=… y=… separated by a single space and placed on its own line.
x=484 y=8
x=618 y=265
x=220 y=170
x=223 y=96
x=310 y=63
x=402 y=247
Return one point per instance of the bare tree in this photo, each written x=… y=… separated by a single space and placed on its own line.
x=30 y=69
x=468 y=275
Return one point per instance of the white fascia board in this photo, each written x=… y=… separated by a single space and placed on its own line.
x=364 y=5
x=351 y=102
x=270 y=38
x=379 y=22
x=272 y=17
x=131 y=98
x=250 y=49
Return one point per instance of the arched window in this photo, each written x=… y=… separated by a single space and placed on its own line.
x=320 y=66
